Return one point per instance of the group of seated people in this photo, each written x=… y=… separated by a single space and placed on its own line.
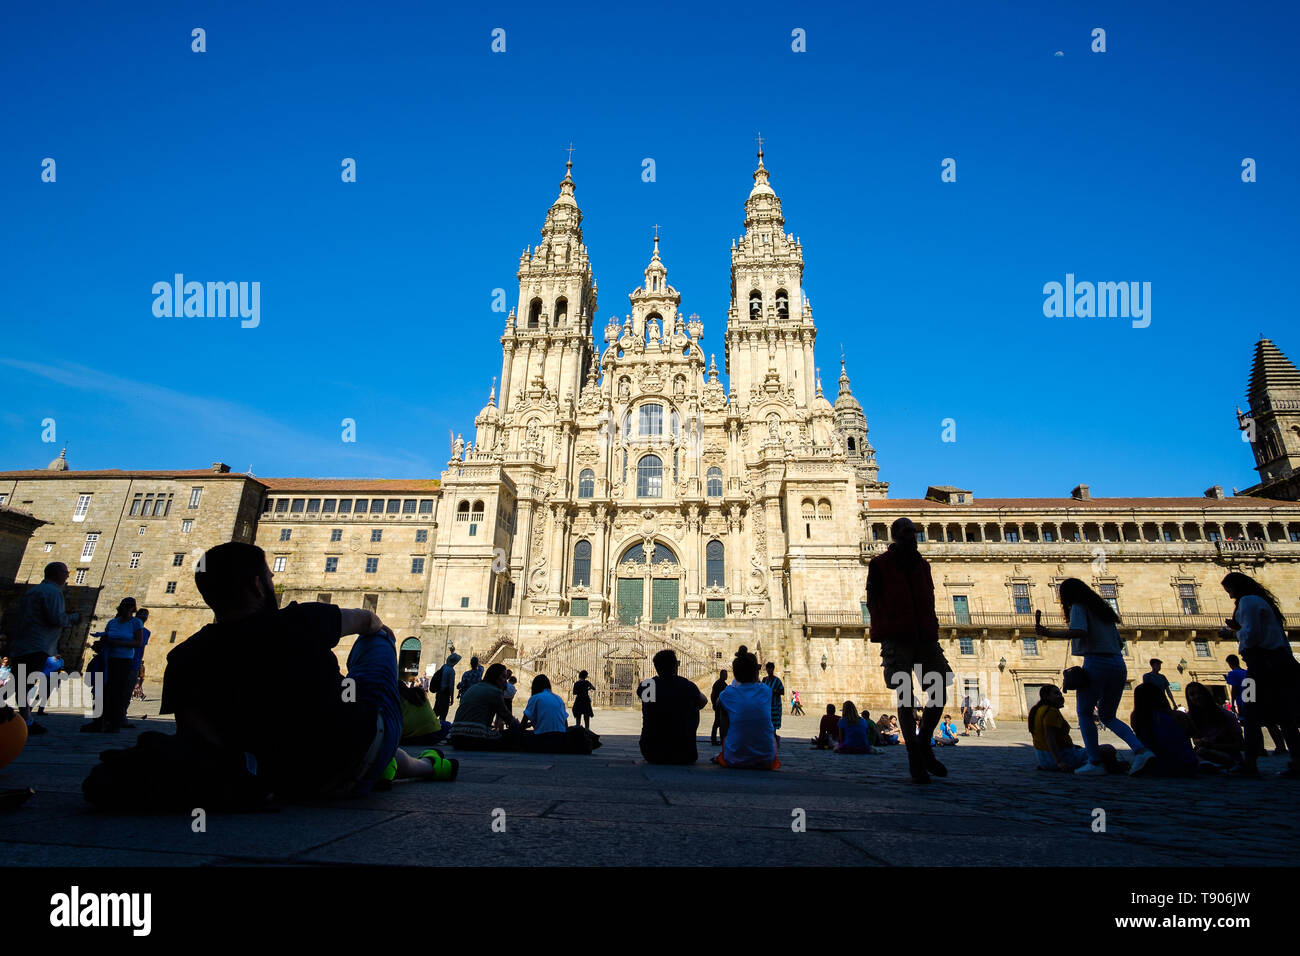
x=851 y=733
x=1206 y=738
x=484 y=720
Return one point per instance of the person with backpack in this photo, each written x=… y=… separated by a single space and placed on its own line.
x=1094 y=636
x=41 y=618
x=1272 y=684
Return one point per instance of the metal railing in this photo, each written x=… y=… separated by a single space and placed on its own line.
x=1053 y=620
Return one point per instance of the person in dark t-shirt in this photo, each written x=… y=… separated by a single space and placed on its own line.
x=305 y=729
x=670 y=714
x=828 y=730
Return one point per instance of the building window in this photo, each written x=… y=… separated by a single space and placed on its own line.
x=81 y=576
x=171 y=587
x=281 y=505
x=327 y=506
x=967 y=645
x=1202 y=648
x=1168 y=535
x=376 y=534
x=417 y=565
x=162 y=507
x=140 y=530
x=464 y=602
x=360 y=506
x=473 y=530
x=135 y=504
x=866 y=614
x=961 y=609
x=713 y=483
x=426 y=506
x=135 y=560
x=715 y=575
x=578 y=607
x=279 y=564
x=422 y=536
x=88 y=549
x=331 y=565
x=345 y=506
x=286 y=534
x=83 y=505
x=408 y=506
x=649 y=477
x=652 y=420
x=394 y=506
x=370 y=602
x=195 y=495
x=313 y=506
x=187 y=526
x=323 y=598
x=582 y=564
x=178 y=560
x=715 y=608
x=1020 y=594
x=1110 y=594
x=372 y=565
x=1049 y=536
x=299 y=506
x=336 y=534
x=1187 y=597
x=586 y=483
x=1011 y=536
x=49 y=546
x=1030 y=645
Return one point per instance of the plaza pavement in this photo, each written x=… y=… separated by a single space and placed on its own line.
x=612 y=808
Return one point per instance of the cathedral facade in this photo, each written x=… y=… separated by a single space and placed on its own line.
x=615 y=497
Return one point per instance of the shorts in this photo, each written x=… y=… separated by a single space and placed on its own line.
x=900 y=663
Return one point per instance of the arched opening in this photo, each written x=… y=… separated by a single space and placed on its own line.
x=582 y=564
x=651 y=584
x=650 y=477
x=651 y=421
x=713 y=486
x=408 y=659
x=756 y=305
x=534 y=313
x=782 y=304
x=561 y=310
x=586 y=483
x=714 y=565
x=852 y=445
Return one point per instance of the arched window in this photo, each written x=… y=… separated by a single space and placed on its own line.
x=582 y=564
x=534 y=313
x=714 y=483
x=852 y=446
x=650 y=477
x=561 y=310
x=586 y=483
x=714 y=565
x=652 y=420
x=756 y=305
x=806 y=509
x=823 y=510
x=661 y=554
x=478 y=511
x=782 y=304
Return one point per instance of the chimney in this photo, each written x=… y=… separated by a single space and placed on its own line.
x=1079 y=492
x=220 y=468
x=1215 y=492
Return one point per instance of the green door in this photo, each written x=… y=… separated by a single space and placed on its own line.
x=663 y=600
x=630 y=599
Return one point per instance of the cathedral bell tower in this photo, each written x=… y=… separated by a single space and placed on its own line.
x=547 y=343
x=770 y=330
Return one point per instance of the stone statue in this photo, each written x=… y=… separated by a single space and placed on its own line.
x=458 y=448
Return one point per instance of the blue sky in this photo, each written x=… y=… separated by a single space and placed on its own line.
x=376 y=296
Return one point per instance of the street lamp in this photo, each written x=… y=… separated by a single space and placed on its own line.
x=823 y=662
x=1002 y=664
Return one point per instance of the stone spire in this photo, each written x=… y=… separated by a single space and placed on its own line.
x=60 y=463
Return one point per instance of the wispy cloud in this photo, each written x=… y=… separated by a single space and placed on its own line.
x=235 y=427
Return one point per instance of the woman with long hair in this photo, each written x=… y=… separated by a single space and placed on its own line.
x=1094 y=636
x=852 y=732
x=1159 y=727
x=1216 y=734
x=1273 y=676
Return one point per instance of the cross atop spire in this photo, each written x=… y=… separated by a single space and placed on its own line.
x=570 y=148
x=759 y=139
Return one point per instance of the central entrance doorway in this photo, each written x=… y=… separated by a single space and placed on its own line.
x=651 y=581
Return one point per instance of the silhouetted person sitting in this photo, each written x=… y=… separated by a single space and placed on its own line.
x=482 y=704
x=670 y=713
x=719 y=714
x=319 y=733
x=900 y=600
x=751 y=738
x=1164 y=732
x=827 y=730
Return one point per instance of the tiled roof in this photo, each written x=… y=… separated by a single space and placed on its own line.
x=1087 y=504
x=356 y=485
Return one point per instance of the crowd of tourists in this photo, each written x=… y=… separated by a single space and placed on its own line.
x=241 y=742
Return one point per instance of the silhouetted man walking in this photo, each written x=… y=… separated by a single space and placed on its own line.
x=900 y=599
